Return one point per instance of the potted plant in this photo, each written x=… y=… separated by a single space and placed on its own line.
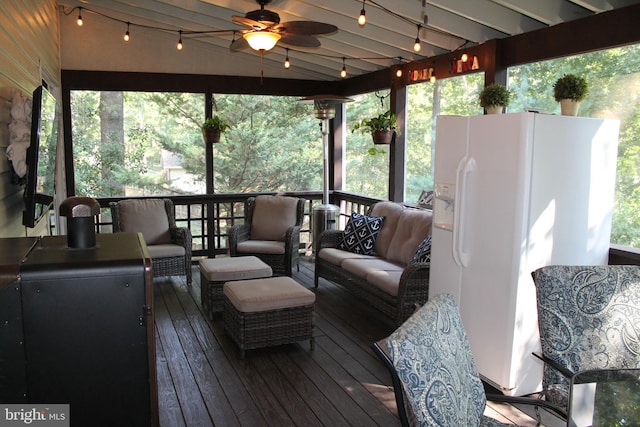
x=382 y=127
x=494 y=98
x=213 y=127
x=569 y=90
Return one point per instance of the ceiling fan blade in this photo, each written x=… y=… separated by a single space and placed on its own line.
x=306 y=27
x=299 y=40
x=249 y=22
x=238 y=44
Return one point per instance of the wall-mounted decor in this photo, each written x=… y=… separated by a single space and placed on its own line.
x=19 y=133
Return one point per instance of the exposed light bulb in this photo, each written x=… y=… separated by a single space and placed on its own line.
x=399 y=72
x=79 y=21
x=287 y=63
x=343 y=72
x=179 y=45
x=432 y=79
x=362 y=19
x=464 y=57
x=417 y=46
x=126 y=35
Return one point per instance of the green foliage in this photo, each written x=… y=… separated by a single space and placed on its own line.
x=494 y=94
x=216 y=123
x=570 y=86
x=383 y=121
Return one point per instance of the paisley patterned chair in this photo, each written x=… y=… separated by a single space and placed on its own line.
x=432 y=369
x=589 y=319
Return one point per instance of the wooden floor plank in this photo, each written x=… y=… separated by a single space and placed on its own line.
x=246 y=411
x=193 y=407
x=203 y=382
x=169 y=412
x=213 y=395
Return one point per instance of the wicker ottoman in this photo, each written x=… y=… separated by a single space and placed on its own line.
x=214 y=272
x=267 y=312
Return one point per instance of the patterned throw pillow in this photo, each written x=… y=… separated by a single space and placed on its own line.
x=361 y=232
x=423 y=253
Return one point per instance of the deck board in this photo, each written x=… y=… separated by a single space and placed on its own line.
x=203 y=382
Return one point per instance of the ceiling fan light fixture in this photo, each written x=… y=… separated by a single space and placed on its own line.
x=262 y=40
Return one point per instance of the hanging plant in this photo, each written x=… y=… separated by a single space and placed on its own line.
x=382 y=127
x=213 y=127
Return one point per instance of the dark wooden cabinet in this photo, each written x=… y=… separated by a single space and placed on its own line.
x=87 y=325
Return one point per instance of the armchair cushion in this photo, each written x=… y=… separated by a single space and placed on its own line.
x=146 y=216
x=272 y=217
x=262 y=247
x=165 y=250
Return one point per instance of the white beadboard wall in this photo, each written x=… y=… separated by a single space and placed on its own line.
x=29 y=53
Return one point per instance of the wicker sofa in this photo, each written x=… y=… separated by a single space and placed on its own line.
x=393 y=280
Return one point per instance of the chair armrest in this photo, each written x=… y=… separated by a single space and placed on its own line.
x=292 y=239
x=567 y=373
x=413 y=289
x=182 y=236
x=237 y=234
x=329 y=239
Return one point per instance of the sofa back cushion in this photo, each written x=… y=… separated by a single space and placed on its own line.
x=391 y=211
x=147 y=216
x=413 y=227
x=272 y=217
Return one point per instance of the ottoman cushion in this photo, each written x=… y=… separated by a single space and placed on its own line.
x=235 y=268
x=267 y=294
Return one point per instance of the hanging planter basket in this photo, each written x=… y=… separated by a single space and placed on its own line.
x=383 y=136
x=211 y=135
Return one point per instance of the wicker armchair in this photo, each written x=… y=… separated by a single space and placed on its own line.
x=271 y=232
x=169 y=246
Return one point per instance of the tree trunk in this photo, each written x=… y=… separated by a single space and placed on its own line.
x=111 y=139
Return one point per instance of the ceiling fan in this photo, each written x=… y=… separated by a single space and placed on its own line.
x=265 y=30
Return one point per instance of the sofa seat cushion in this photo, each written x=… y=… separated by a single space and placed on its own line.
x=385 y=280
x=413 y=227
x=391 y=211
x=261 y=247
x=361 y=267
x=336 y=256
x=167 y=250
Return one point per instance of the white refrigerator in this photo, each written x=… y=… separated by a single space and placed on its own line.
x=514 y=192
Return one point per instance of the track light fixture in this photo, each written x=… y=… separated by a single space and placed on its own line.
x=362 y=19
x=179 y=45
x=126 y=35
x=343 y=72
x=79 y=21
x=287 y=63
x=417 y=45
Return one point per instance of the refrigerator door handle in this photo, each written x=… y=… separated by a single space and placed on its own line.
x=466 y=166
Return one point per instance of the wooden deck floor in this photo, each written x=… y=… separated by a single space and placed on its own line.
x=203 y=382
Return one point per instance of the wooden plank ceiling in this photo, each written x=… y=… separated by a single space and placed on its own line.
x=386 y=39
